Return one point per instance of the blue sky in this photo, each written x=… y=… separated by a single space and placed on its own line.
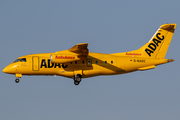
x=109 y=26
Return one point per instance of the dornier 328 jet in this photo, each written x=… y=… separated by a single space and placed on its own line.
x=77 y=62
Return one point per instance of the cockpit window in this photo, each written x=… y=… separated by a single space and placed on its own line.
x=17 y=60
x=23 y=60
x=20 y=60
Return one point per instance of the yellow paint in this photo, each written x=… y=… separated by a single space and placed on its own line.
x=79 y=61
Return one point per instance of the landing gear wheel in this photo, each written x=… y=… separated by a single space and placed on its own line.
x=17 y=80
x=76 y=82
x=77 y=79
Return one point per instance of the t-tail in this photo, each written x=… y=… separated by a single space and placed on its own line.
x=158 y=44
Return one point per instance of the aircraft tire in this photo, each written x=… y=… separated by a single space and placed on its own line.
x=76 y=82
x=17 y=80
x=78 y=79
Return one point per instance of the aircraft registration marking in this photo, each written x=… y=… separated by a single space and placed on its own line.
x=140 y=60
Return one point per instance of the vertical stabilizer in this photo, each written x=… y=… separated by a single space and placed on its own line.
x=159 y=43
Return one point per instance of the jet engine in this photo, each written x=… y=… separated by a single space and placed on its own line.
x=60 y=58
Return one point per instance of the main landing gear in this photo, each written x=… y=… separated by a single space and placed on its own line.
x=77 y=79
x=17 y=80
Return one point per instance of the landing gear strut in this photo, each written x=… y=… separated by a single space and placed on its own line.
x=77 y=79
x=17 y=80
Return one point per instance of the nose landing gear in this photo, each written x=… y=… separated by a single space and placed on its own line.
x=17 y=77
x=77 y=79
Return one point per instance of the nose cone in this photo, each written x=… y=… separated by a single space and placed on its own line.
x=11 y=69
x=5 y=70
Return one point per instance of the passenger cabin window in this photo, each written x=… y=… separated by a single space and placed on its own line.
x=96 y=62
x=20 y=60
x=105 y=62
x=111 y=62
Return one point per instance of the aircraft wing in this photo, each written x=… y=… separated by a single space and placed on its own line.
x=80 y=49
x=77 y=52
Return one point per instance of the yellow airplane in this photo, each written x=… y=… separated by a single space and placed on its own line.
x=77 y=62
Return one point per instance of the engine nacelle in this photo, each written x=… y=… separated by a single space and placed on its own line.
x=60 y=58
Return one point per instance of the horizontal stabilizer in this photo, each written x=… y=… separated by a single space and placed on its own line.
x=147 y=68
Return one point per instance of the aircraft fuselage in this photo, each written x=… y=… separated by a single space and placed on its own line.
x=95 y=64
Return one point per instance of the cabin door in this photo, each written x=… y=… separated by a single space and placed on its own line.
x=35 y=63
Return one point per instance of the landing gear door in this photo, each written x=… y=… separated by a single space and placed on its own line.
x=35 y=63
x=76 y=72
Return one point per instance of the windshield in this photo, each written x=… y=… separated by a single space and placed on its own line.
x=20 y=60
